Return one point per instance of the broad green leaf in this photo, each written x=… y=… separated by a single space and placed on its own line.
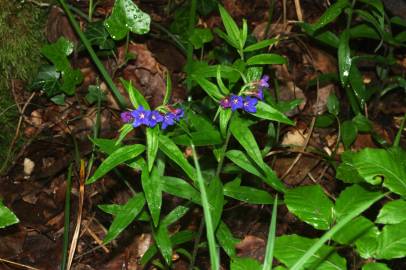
x=375 y=164
x=363 y=124
x=393 y=212
x=97 y=35
x=226 y=239
x=331 y=14
x=248 y=194
x=47 y=80
x=311 y=205
x=363 y=31
x=152 y=145
x=260 y=45
x=375 y=266
x=215 y=197
x=199 y=138
x=136 y=98
x=346 y=171
x=289 y=248
x=238 y=263
x=124 y=130
x=266 y=59
x=241 y=160
x=171 y=150
x=324 y=36
x=7 y=217
x=265 y=111
x=210 y=88
x=112 y=209
x=174 y=215
x=333 y=105
x=116 y=158
x=354 y=230
x=57 y=53
x=107 y=146
x=344 y=57
x=367 y=244
x=125 y=17
x=125 y=216
x=163 y=241
x=349 y=133
x=325 y=120
x=352 y=198
x=180 y=188
x=151 y=184
x=176 y=239
x=357 y=85
x=392 y=242
x=225 y=116
x=233 y=32
x=199 y=36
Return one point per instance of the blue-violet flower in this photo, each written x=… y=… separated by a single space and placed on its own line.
x=263 y=83
x=249 y=104
x=168 y=120
x=126 y=117
x=225 y=103
x=141 y=117
x=155 y=117
x=236 y=102
x=179 y=113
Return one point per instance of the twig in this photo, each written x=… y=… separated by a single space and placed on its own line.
x=299 y=13
x=18 y=264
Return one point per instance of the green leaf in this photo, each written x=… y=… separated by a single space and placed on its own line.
x=311 y=205
x=199 y=36
x=254 y=74
x=125 y=216
x=47 y=80
x=265 y=111
x=226 y=239
x=97 y=35
x=199 y=138
x=375 y=266
x=180 y=188
x=266 y=59
x=373 y=164
x=210 y=88
x=331 y=14
x=233 y=32
x=215 y=197
x=119 y=156
x=225 y=116
x=260 y=45
x=238 y=263
x=325 y=120
x=248 y=194
x=175 y=215
x=58 y=99
x=241 y=160
x=57 y=53
x=349 y=133
x=152 y=145
x=362 y=123
x=136 y=98
x=163 y=241
x=125 y=17
x=270 y=243
x=354 y=230
x=124 y=130
x=325 y=37
x=357 y=84
x=333 y=105
x=344 y=57
x=289 y=248
x=351 y=198
x=392 y=242
x=220 y=83
x=7 y=217
x=346 y=171
x=94 y=94
x=151 y=184
x=367 y=244
x=172 y=151
x=107 y=146
x=393 y=212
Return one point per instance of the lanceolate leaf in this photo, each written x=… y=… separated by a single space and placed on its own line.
x=344 y=57
x=265 y=111
x=226 y=239
x=231 y=27
x=163 y=241
x=126 y=16
x=210 y=88
x=248 y=194
x=330 y=14
x=215 y=197
x=266 y=59
x=116 y=158
x=151 y=184
x=152 y=145
x=7 y=217
x=311 y=205
x=241 y=160
x=125 y=216
x=180 y=188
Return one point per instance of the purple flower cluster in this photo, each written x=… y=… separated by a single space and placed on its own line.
x=148 y=118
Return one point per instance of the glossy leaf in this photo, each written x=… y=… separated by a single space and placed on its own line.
x=151 y=184
x=116 y=158
x=215 y=198
x=171 y=150
x=265 y=111
x=373 y=164
x=47 y=80
x=238 y=263
x=333 y=105
x=225 y=116
x=226 y=239
x=125 y=216
x=289 y=248
x=97 y=35
x=270 y=243
x=163 y=241
x=7 y=217
x=363 y=124
x=152 y=145
x=354 y=230
x=199 y=36
x=344 y=57
x=125 y=17
x=357 y=85
x=248 y=194
x=346 y=171
x=174 y=215
x=311 y=205
x=124 y=131
x=241 y=160
x=210 y=88
x=136 y=98
x=180 y=188
x=267 y=59
x=349 y=133
x=375 y=266
x=57 y=53
x=331 y=14
x=392 y=242
x=260 y=45
x=233 y=32
x=393 y=212
x=199 y=138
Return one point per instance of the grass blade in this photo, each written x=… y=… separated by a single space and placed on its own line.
x=271 y=237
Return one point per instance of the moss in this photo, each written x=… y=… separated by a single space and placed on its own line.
x=21 y=32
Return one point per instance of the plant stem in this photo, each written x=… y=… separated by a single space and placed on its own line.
x=222 y=154
x=120 y=99
x=67 y=220
x=398 y=135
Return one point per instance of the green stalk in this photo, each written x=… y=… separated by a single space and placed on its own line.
x=214 y=258
x=120 y=99
x=398 y=135
x=67 y=220
x=222 y=154
x=271 y=237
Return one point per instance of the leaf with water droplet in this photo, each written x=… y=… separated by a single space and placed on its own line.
x=126 y=16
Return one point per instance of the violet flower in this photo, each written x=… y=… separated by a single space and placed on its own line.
x=263 y=82
x=249 y=104
x=155 y=117
x=141 y=117
x=126 y=117
x=236 y=102
x=168 y=120
x=225 y=103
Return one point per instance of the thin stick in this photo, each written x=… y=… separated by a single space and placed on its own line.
x=299 y=13
x=18 y=264
x=79 y=217
x=67 y=218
